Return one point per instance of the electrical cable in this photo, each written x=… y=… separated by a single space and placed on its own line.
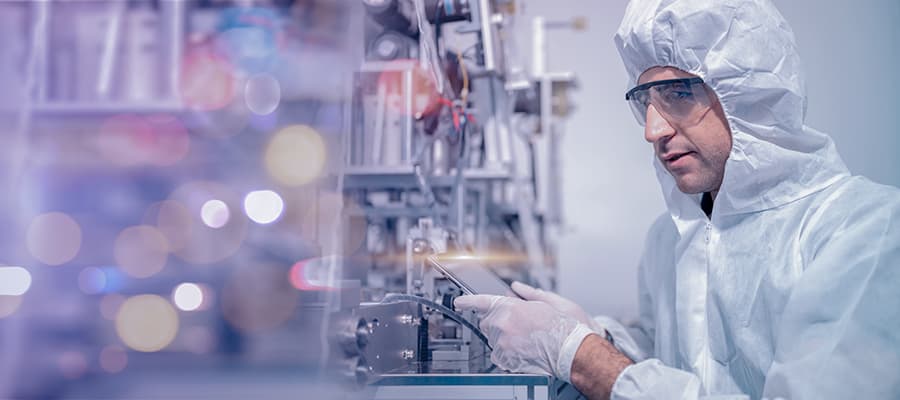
x=453 y=315
x=464 y=93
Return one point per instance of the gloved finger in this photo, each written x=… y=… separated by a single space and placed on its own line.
x=479 y=302
x=531 y=293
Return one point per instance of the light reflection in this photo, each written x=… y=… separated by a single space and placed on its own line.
x=262 y=92
x=14 y=281
x=214 y=213
x=188 y=296
x=53 y=238
x=146 y=323
x=113 y=359
x=141 y=251
x=263 y=206
x=295 y=155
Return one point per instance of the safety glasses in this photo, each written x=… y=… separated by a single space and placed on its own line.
x=682 y=101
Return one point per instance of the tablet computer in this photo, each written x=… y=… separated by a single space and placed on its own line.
x=471 y=275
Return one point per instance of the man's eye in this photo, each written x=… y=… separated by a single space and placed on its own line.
x=642 y=98
x=672 y=95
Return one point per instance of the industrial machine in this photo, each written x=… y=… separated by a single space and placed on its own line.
x=413 y=128
x=452 y=147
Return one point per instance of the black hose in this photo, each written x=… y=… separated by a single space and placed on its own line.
x=453 y=315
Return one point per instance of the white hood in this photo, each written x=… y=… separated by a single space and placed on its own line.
x=744 y=50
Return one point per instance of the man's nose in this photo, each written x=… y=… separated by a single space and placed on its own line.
x=656 y=127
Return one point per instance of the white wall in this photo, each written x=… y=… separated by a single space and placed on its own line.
x=851 y=52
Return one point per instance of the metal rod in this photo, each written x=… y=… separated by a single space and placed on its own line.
x=487 y=34
x=408 y=117
x=110 y=49
x=173 y=25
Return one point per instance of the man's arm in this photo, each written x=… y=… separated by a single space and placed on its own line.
x=596 y=367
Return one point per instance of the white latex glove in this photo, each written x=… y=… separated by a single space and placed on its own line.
x=560 y=303
x=527 y=336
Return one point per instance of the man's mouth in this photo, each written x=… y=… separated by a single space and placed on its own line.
x=672 y=157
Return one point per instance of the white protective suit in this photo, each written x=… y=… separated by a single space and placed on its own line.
x=792 y=288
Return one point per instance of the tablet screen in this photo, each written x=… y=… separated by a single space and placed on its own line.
x=471 y=275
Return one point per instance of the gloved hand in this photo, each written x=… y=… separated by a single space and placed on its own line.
x=527 y=336
x=560 y=303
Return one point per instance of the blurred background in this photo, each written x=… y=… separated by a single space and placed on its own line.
x=183 y=209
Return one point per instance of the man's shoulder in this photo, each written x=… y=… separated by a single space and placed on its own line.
x=853 y=207
x=858 y=195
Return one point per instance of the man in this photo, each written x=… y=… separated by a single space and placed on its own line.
x=775 y=273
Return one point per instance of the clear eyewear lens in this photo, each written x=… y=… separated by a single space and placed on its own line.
x=679 y=100
x=639 y=104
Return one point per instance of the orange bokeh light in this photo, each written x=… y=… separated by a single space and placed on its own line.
x=207 y=81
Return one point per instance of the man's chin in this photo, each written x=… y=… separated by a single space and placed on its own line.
x=688 y=186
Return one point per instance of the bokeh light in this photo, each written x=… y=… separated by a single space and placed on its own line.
x=262 y=92
x=295 y=155
x=72 y=364
x=173 y=220
x=113 y=359
x=258 y=298
x=246 y=44
x=92 y=280
x=9 y=305
x=188 y=296
x=215 y=213
x=122 y=138
x=141 y=251
x=263 y=206
x=207 y=81
x=249 y=36
x=53 y=238
x=14 y=281
x=110 y=304
x=146 y=323
x=131 y=140
x=312 y=274
x=202 y=244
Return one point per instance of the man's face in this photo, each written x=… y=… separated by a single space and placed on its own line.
x=694 y=152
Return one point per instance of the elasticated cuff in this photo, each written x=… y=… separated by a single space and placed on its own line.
x=568 y=350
